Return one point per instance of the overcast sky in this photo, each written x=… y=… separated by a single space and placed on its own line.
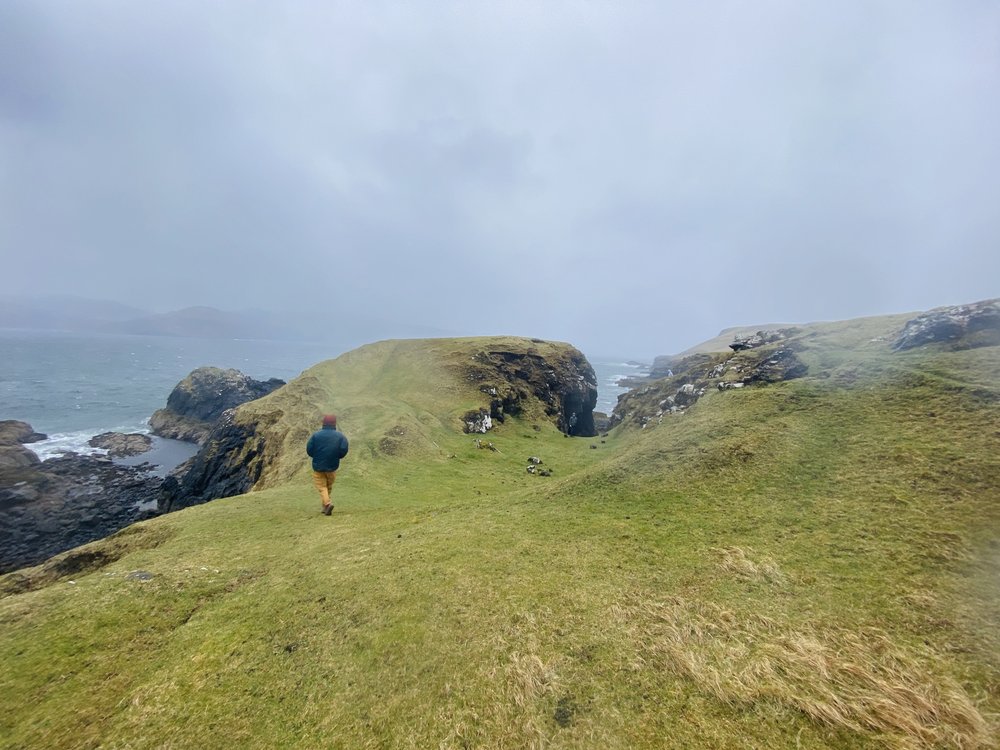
x=629 y=176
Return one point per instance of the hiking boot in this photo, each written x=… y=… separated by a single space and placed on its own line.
x=328 y=509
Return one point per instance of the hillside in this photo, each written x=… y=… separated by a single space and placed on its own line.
x=810 y=564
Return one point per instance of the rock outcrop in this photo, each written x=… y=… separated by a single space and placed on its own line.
x=120 y=445
x=229 y=463
x=663 y=367
x=15 y=432
x=16 y=456
x=49 y=507
x=565 y=384
x=755 y=340
x=963 y=326
x=782 y=364
x=198 y=402
x=695 y=374
x=13 y=455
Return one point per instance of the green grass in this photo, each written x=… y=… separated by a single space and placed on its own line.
x=813 y=564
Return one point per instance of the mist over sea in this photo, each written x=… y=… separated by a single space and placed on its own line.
x=74 y=386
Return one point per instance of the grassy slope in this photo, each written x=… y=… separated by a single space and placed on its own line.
x=813 y=564
x=726 y=336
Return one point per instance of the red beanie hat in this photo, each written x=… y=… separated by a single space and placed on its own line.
x=329 y=420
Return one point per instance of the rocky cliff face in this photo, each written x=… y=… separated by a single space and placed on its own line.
x=198 y=402
x=565 y=384
x=230 y=462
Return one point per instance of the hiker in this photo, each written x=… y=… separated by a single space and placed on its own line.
x=326 y=447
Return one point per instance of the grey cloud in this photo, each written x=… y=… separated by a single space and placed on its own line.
x=631 y=177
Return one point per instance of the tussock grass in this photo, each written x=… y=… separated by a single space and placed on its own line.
x=737 y=560
x=855 y=680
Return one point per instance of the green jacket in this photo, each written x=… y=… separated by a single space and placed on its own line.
x=326 y=447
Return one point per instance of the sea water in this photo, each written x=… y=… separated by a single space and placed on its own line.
x=74 y=386
x=610 y=371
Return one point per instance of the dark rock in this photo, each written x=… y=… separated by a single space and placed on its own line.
x=696 y=373
x=760 y=338
x=229 y=463
x=16 y=456
x=729 y=385
x=686 y=396
x=782 y=364
x=120 y=445
x=198 y=402
x=964 y=326
x=477 y=420
x=15 y=432
x=564 y=382
x=535 y=460
x=602 y=422
x=52 y=506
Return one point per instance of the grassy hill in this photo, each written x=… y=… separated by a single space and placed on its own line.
x=809 y=564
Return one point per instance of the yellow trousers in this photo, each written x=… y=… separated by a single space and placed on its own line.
x=324 y=483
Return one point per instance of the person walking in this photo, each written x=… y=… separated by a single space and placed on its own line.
x=326 y=447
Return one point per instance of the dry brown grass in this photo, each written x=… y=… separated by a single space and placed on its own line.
x=737 y=560
x=519 y=685
x=857 y=681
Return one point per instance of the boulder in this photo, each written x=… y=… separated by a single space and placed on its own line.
x=477 y=420
x=198 y=402
x=687 y=395
x=780 y=365
x=120 y=445
x=963 y=326
x=16 y=457
x=742 y=343
x=729 y=385
x=14 y=432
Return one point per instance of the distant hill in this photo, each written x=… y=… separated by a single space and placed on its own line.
x=201 y=322
x=63 y=313
x=344 y=328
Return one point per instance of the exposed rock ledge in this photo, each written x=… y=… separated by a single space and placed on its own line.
x=564 y=383
x=695 y=374
x=197 y=403
x=963 y=326
x=48 y=507
x=119 y=445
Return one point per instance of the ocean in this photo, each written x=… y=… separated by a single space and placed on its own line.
x=74 y=386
